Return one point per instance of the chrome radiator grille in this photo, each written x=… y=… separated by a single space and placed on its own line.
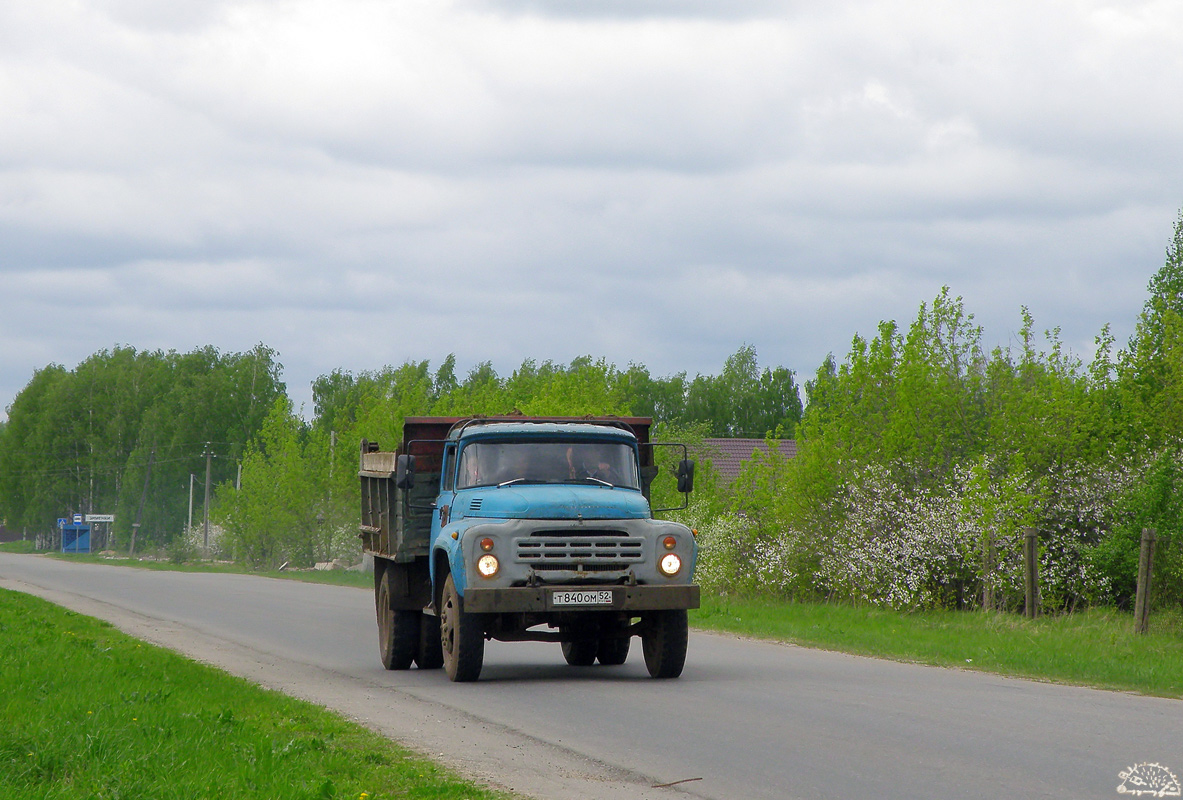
x=585 y=551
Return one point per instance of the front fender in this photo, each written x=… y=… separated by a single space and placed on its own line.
x=448 y=550
x=452 y=551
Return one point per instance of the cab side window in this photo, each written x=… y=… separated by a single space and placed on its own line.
x=449 y=468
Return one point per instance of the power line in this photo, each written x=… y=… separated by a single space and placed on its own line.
x=103 y=465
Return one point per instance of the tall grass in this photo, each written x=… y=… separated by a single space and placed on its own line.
x=88 y=712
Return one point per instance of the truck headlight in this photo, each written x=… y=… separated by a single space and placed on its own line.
x=487 y=565
x=670 y=564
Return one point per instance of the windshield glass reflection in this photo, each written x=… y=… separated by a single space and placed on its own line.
x=497 y=463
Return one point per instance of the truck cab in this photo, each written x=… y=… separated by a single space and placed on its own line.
x=525 y=529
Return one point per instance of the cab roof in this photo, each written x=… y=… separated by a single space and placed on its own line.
x=480 y=429
x=424 y=430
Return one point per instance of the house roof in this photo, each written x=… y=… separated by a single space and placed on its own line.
x=728 y=455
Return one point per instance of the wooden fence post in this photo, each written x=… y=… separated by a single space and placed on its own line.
x=987 y=570
x=1031 y=562
x=1145 y=570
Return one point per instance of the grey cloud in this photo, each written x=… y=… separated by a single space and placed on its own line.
x=175 y=16
x=633 y=9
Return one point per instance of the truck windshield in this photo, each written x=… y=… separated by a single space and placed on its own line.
x=496 y=463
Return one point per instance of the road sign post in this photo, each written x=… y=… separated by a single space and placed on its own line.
x=105 y=520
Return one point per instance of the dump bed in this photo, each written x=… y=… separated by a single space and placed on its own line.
x=391 y=527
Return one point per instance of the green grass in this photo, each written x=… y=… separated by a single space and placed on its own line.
x=88 y=712
x=16 y=547
x=1090 y=648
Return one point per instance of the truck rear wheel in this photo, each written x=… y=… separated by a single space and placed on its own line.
x=581 y=652
x=461 y=637
x=664 y=638
x=398 y=631
x=613 y=651
x=613 y=643
x=431 y=654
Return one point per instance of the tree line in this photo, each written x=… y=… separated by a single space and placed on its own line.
x=122 y=432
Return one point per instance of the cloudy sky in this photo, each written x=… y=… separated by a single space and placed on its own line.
x=358 y=183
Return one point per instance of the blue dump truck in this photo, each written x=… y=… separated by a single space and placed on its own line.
x=526 y=529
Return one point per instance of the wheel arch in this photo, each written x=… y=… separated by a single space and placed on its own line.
x=440 y=569
x=380 y=565
x=409 y=583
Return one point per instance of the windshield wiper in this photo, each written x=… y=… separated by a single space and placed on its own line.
x=584 y=479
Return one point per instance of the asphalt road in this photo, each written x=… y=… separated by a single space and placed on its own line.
x=746 y=719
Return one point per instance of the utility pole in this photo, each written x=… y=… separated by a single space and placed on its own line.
x=189 y=527
x=332 y=458
x=135 y=526
x=209 y=454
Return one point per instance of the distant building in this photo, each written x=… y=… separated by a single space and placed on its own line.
x=728 y=455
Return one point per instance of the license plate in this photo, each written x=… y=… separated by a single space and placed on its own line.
x=597 y=597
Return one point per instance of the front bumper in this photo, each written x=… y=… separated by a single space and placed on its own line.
x=541 y=598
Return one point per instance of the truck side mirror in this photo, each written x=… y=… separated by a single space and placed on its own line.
x=685 y=476
x=404 y=472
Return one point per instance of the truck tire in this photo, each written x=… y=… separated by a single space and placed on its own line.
x=431 y=654
x=613 y=652
x=398 y=631
x=664 y=638
x=581 y=652
x=461 y=638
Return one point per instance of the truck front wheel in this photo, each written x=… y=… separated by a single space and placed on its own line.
x=461 y=637
x=663 y=638
x=398 y=631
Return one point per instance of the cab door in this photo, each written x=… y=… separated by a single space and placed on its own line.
x=442 y=514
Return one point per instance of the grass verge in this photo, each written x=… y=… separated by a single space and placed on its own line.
x=89 y=712
x=16 y=547
x=1091 y=648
